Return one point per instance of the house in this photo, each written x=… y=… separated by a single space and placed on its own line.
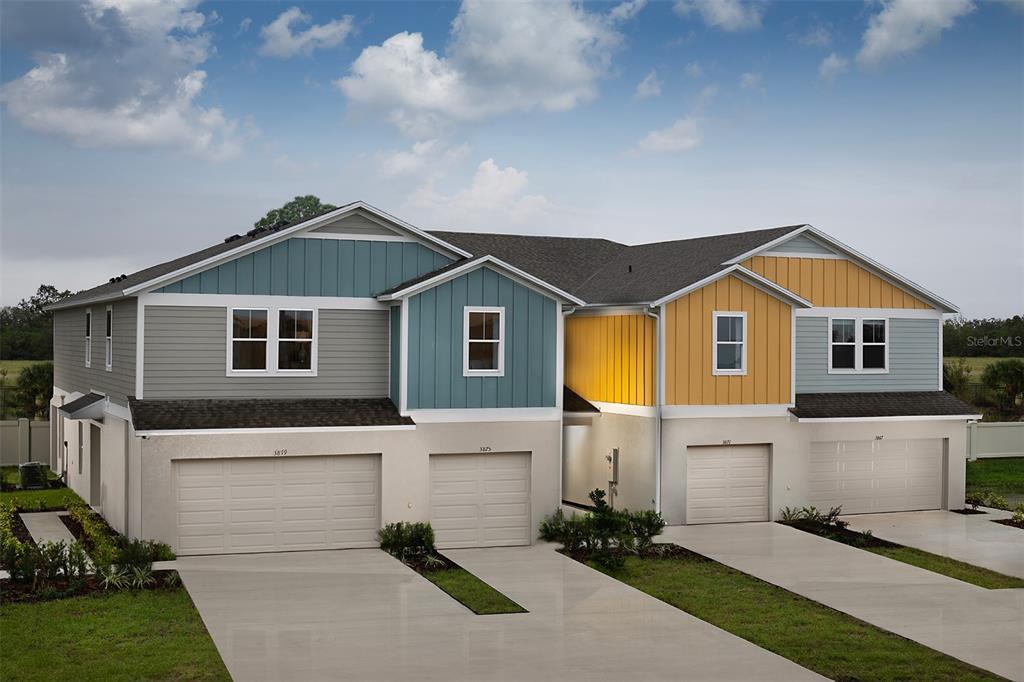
x=296 y=388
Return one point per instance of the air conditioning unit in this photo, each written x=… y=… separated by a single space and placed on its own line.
x=33 y=476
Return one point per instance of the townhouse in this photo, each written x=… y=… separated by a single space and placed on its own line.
x=296 y=388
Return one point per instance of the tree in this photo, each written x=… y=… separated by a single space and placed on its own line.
x=31 y=398
x=299 y=208
x=27 y=329
x=1006 y=381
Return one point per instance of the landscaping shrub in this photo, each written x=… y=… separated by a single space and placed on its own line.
x=974 y=500
x=996 y=501
x=98 y=538
x=643 y=526
x=1006 y=381
x=407 y=540
x=552 y=528
x=1018 y=514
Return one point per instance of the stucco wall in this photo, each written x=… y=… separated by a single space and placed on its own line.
x=790 y=453
x=405 y=463
x=585 y=467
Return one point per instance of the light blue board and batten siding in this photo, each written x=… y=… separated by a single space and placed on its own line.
x=436 y=318
x=913 y=359
x=800 y=244
x=315 y=267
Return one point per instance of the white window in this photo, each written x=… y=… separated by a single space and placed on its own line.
x=295 y=340
x=88 y=338
x=249 y=340
x=108 y=350
x=483 y=349
x=858 y=345
x=729 y=346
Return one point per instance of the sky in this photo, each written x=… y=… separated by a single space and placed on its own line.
x=134 y=132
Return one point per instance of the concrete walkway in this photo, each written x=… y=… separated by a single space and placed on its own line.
x=362 y=615
x=982 y=627
x=973 y=538
x=47 y=527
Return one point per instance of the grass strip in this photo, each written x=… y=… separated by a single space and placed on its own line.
x=137 y=635
x=471 y=592
x=944 y=565
x=34 y=500
x=1002 y=475
x=810 y=634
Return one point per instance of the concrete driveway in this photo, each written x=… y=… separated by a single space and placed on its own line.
x=982 y=627
x=973 y=538
x=362 y=615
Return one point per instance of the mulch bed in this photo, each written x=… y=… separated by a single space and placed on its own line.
x=843 y=535
x=13 y=592
x=438 y=562
x=1010 y=522
x=655 y=551
x=967 y=512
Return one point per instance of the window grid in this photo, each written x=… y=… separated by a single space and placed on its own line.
x=483 y=341
x=108 y=350
x=88 y=338
x=858 y=345
x=729 y=343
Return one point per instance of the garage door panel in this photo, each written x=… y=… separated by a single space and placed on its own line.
x=727 y=484
x=480 y=500
x=891 y=474
x=275 y=504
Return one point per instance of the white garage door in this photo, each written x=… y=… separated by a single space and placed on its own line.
x=271 y=504
x=885 y=475
x=727 y=483
x=480 y=500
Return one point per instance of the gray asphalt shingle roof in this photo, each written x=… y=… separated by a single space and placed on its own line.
x=177 y=415
x=885 y=404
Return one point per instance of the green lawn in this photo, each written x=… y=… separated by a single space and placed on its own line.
x=14 y=368
x=969 y=573
x=1003 y=475
x=53 y=498
x=148 y=635
x=826 y=641
x=475 y=594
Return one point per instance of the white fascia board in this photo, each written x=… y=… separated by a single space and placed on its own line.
x=485 y=414
x=310 y=224
x=524 y=278
x=906 y=313
x=917 y=418
x=257 y=431
x=728 y=411
x=886 y=273
x=752 y=278
x=263 y=301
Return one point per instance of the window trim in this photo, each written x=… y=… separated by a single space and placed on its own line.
x=278 y=340
x=108 y=345
x=88 y=337
x=744 y=344
x=858 y=345
x=273 y=338
x=466 y=371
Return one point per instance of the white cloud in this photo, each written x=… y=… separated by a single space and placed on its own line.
x=682 y=136
x=819 y=35
x=752 y=81
x=244 y=25
x=650 y=86
x=904 y=26
x=500 y=57
x=494 y=194
x=128 y=78
x=832 y=66
x=427 y=159
x=625 y=11
x=694 y=70
x=727 y=15
x=279 y=40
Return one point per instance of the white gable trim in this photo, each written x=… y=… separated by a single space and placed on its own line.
x=879 y=269
x=515 y=273
x=751 y=278
x=310 y=224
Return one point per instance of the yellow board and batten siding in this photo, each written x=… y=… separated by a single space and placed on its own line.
x=611 y=358
x=832 y=283
x=689 y=336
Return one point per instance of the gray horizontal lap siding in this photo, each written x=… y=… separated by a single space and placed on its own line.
x=395 y=322
x=800 y=244
x=913 y=359
x=436 y=317
x=186 y=357
x=315 y=267
x=69 y=370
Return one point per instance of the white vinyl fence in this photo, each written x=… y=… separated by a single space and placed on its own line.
x=23 y=441
x=995 y=439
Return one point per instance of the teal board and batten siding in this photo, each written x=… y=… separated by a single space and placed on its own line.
x=436 y=318
x=913 y=359
x=185 y=356
x=315 y=267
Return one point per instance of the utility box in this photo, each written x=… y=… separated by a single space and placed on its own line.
x=32 y=476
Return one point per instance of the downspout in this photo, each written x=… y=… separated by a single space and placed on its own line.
x=566 y=312
x=659 y=354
